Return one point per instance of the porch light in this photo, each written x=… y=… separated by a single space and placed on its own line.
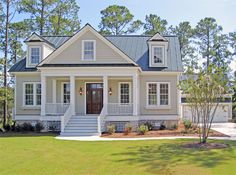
x=80 y=91
x=110 y=91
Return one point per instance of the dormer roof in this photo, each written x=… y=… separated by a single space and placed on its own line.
x=158 y=37
x=34 y=37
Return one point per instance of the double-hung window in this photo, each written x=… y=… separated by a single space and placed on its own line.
x=88 y=47
x=38 y=94
x=158 y=54
x=35 y=55
x=124 y=91
x=152 y=94
x=65 y=92
x=32 y=94
x=164 y=94
x=158 y=94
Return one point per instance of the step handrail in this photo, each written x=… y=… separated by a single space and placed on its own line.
x=65 y=118
x=101 y=118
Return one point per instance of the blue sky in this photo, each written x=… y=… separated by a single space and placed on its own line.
x=174 y=11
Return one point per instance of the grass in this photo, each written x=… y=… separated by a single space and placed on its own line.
x=40 y=155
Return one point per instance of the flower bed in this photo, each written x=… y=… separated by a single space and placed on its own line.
x=162 y=133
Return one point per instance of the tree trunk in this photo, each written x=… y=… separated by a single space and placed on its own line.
x=5 y=64
x=15 y=50
x=208 y=48
x=42 y=17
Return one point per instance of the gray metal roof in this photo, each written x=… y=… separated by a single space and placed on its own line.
x=134 y=46
x=57 y=41
x=20 y=66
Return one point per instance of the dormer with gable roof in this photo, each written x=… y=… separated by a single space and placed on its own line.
x=37 y=50
x=158 y=46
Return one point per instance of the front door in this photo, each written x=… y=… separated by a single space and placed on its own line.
x=94 y=98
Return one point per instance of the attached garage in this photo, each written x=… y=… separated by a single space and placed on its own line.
x=223 y=112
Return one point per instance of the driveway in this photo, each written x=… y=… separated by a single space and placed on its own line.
x=225 y=128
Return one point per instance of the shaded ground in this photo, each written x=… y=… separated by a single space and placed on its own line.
x=208 y=145
x=45 y=155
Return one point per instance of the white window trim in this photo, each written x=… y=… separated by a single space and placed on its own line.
x=62 y=91
x=158 y=106
x=94 y=55
x=120 y=93
x=29 y=55
x=34 y=94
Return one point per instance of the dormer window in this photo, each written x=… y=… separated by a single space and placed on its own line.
x=158 y=47
x=34 y=55
x=88 y=47
x=157 y=54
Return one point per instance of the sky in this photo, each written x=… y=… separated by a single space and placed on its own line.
x=174 y=11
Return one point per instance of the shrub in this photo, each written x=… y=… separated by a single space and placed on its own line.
x=111 y=129
x=183 y=132
x=7 y=127
x=142 y=129
x=13 y=126
x=39 y=127
x=187 y=124
x=18 y=128
x=27 y=127
x=52 y=128
x=174 y=127
x=128 y=128
x=163 y=126
x=149 y=125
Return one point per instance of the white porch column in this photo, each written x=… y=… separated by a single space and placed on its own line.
x=54 y=90
x=72 y=94
x=105 y=93
x=43 y=95
x=135 y=94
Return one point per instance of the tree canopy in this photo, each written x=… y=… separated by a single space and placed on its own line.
x=118 y=20
x=154 y=24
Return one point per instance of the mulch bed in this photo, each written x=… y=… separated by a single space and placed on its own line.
x=208 y=145
x=161 y=133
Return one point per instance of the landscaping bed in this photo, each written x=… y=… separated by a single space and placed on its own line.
x=162 y=133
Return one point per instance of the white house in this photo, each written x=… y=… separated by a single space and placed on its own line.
x=82 y=83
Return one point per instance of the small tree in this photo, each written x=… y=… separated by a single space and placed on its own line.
x=204 y=92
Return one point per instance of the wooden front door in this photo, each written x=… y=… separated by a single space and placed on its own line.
x=94 y=98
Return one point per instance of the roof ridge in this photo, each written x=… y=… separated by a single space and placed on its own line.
x=56 y=35
x=110 y=35
x=137 y=35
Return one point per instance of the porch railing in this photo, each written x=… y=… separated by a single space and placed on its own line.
x=56 y=108
x=119 y=109
x=65 y=118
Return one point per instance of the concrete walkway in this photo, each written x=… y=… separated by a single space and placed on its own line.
x=97 y=138
x=225 y=128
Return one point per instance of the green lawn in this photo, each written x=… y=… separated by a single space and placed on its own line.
x=45 y=155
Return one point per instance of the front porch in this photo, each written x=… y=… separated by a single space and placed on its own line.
x=114 y=96
x=78 y=96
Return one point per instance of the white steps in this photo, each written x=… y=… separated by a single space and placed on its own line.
x=81 y=126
